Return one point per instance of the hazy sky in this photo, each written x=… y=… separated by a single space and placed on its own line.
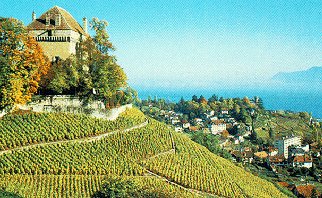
x=200 y=42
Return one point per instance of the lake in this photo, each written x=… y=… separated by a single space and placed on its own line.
x=292 y=98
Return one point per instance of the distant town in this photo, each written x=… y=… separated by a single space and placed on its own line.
x=288 y=159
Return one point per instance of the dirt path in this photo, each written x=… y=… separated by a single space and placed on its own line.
x=87 y=139
x=173 y=151
x=99 y=137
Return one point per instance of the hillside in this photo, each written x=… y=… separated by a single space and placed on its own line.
x=312 y=75
x=285 y=124
x=162 y=161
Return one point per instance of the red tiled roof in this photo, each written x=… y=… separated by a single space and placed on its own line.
x=271 y=149
x=261 y=154
x=193 y=128
x=67 y=21
x=284 y=184
x=304 y=158
x=305 y=190
x=276 y=159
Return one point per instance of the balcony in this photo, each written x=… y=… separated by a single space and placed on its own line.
x=52 y=39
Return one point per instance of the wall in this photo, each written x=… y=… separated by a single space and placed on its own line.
x=63 y=49
x=74 y=105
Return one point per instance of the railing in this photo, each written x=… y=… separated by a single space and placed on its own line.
x=52 y=38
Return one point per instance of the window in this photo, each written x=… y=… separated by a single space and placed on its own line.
x=50 y=33
x=57 y=58
x=47 y=20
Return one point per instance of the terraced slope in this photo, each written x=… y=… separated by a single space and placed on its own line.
x=153 y=154
x=40 y=186
x=193 y=166
x=35 y=128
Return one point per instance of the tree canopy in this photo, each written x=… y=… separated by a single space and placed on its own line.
x=22 y=63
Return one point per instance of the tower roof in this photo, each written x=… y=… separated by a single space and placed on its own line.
x=67 y=21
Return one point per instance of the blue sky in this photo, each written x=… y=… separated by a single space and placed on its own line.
x=200 y=42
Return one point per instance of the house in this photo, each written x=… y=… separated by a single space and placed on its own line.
x=175 y=121
x=193 y=128
x=277 y=160
x=217 y=126
x=198 y=120
x=213 y=118
x=57 y=32
x=235 y=140
x=223 y=142
x=178 y=128
x=240 y=138
x=248 y=128
x=306 y=191
x=237 y=155
x=306 y=148
x=272 y=151
x=224 y=112
x=290 y=187
x=186 y=125
x=297 y=151
x=162 y=112
x=285 y=142
x=260 y=156
x=302 y=161
x=248 y=156
x=245 y=156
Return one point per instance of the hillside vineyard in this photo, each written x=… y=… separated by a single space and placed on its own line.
x=155 y=156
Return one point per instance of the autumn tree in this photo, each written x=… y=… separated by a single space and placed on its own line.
x=22 y=63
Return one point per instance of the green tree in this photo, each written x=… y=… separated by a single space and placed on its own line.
x=117 y=188
x=271 y=133
x=101 y=38
x=195 y=98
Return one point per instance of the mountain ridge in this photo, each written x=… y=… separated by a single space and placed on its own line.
x=311 y=75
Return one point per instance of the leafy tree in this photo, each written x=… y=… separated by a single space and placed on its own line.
x=213 y=98
x=202 y=100
x=117 y=187
x=271 y=133
x=211 y=142
x=195 y=98
x=23 y=63
x=101 y=39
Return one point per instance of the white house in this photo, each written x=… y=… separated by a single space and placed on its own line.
x=186 y=125
x=302 y=161
x=178 y=128
x=224 y=112
x=272 y=151
x=174 y=121
x=217 y=128
x=214 y=118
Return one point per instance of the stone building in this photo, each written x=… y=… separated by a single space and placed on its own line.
x=57 y=32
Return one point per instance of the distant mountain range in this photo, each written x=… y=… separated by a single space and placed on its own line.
x=312 y=75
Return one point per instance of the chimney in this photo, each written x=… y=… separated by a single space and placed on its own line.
x=47 y=19
x=33 y=16
x=58 y=20
x=85 y=24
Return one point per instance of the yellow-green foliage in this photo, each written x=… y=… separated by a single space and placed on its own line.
x=75 y=169
x=285 y=124
x=193 y=166
x=33 y=128
x=42 y=186
x=118 y=154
